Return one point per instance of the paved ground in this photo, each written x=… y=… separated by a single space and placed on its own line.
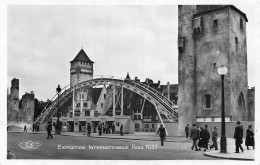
x=149 y=147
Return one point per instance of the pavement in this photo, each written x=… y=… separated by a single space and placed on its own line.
x=247 y=155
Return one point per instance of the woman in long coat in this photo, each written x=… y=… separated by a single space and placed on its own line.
x=250 y=140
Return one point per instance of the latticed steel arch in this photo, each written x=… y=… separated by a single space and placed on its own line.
x=163 y=104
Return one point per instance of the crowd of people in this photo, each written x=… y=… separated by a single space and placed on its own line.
x=200 y=137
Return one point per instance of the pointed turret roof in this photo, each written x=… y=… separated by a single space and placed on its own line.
x=82 y=56
x=127 y=76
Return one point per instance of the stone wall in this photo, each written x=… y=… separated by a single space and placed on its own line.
x=185 y=67
x=238 y=65
x=27 y=110
x=251 y=104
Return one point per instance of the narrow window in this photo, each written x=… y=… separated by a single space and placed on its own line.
x=20 y=118
x=241 y=23
x=104 y=96
x=208 y=101
x=215 y=23
x=101 y=105
x=214 y=65
x=236 y=40
x=78 y=105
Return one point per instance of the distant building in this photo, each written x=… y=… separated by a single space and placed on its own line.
x=19 y=112
x=94 y=106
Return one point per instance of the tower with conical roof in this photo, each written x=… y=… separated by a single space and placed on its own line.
x=81 y=68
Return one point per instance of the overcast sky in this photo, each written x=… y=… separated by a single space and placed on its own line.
x=141 y=40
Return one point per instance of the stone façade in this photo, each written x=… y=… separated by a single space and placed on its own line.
x=208 y=37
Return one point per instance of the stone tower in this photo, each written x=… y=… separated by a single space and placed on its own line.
x=13 y=101
x=26 y=113
x=81 y=68
x=210 y=36
x=14 y=94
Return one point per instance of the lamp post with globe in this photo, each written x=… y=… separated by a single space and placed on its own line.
x=222 y=71
x=58 y=124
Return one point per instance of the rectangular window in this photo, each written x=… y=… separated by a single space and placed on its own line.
x=215 y=23
x=78 y=105
x=82 y=96
x=101 y=105
x=139 y=117
x=87 y=113
x=104 y=96
x=208 y=101
x=236 y=40
x=135 y=116
x=241 y=23
x=85 y=104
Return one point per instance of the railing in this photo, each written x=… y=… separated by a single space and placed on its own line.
x=162 y=101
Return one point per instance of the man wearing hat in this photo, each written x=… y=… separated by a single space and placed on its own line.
x=162 y=133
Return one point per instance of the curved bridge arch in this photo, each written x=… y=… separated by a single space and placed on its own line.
x=162 y=104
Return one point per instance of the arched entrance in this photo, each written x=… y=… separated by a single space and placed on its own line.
x=241 y=110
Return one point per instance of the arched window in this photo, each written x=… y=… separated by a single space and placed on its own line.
x=207 y=101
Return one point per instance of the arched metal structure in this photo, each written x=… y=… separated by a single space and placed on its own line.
x=162 y=104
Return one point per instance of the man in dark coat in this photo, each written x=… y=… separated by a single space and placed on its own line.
x=250 y=141
x=238 y=136
x=113 y=128
x=121 y=129
x=49 y=129
x=194 y=135
x=25 y=129
x=187 y=130
x=89 y=130
x=204 y=136
x=162 y=134
x=100 y=129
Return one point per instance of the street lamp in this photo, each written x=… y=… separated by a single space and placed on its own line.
x=58 y=126
x=222 y=70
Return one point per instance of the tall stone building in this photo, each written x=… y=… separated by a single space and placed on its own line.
x=210 y=36
x=81 y=68
x=26 y=112
x=13 y=101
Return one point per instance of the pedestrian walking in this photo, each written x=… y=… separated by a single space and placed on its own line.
x=113 y=128
x=162 y=134
x=204 y=138
x=194 y=135
x=187 y=130
x=84 y=132
x=24 y=128
x=250 y=140
x=49 y=129
x=100 y=129
x=238 y=136
x=104 y=129
x=89 y=130
x=121 y=129
x=214 y=139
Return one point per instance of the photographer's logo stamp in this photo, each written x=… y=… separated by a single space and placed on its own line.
x=29 y=145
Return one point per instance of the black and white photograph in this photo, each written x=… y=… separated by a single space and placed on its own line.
x=127 y=81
